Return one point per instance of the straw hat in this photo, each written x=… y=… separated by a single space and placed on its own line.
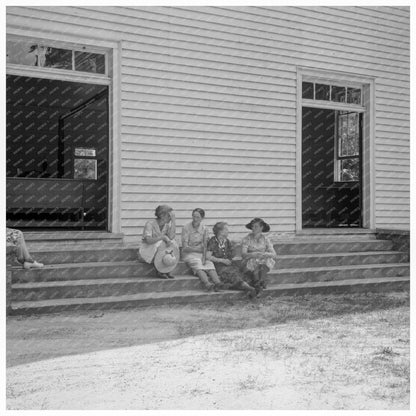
x=166 y=257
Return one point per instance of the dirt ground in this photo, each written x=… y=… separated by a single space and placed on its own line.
x=308 y=352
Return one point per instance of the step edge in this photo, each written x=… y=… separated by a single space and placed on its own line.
x=184 y=277
x=339 y=268
x=166 y=295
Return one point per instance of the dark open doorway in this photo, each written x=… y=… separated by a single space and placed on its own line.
x=57 y=154
x=331 y=168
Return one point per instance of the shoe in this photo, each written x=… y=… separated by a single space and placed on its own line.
x=33 y=265
x=162 y=275
x=170 y=276
x=251 y=292
x=217 y=288
x=210 y=288
x=259 y=291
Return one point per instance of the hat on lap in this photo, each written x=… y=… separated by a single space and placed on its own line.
x=166 y=258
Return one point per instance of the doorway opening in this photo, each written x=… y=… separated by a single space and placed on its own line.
x=57 y=154
x=331 y=168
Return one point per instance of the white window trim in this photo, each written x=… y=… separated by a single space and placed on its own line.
x=368 y=109
x=113 y=80
x=57 y=74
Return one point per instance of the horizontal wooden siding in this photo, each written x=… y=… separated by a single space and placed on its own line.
x=208 y=101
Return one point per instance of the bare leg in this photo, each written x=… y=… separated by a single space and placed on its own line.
x=256 y=277
x=214 y=277
x=247 y=288
x=22 y=251
x=203 y=278
x=263 y=276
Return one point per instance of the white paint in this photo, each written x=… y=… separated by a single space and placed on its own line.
x=216 y=78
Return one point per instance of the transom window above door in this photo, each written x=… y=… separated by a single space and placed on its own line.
x=45 y=55
x=331 y=92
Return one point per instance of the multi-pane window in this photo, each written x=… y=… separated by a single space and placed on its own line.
x=329 y=92
x=348 y=146
x=23 y=52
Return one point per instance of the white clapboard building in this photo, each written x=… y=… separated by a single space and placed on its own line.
x=298 y=115
x=208 y=107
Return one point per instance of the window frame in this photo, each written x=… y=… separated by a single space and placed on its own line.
x=337 y=158
x=73 y=47
x=329 y=103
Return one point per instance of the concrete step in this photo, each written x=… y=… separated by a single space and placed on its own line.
x=339 y=259
x=130 y=285
x=160 y=298
x=94 y=270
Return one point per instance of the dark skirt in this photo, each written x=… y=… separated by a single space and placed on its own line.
x=230 y=276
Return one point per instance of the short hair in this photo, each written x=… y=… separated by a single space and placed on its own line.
x=200 y=211
x=162 y=209
x=219 y=226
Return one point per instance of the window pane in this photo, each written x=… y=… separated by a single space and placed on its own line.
x=321 y=92
x=338 y=94
x=350 y=170
x=89 y=62
x=21 y=52
x=354 y=95
x=348 y=135
x=54 y=57
x=307 y=90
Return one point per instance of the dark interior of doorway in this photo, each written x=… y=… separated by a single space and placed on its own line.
x=331 y=168
x=57 y=154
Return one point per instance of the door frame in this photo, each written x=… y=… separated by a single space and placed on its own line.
x=112 y=50
x=368 y=134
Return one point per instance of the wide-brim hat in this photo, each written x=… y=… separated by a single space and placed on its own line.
x=166 y=257
x=266 y=227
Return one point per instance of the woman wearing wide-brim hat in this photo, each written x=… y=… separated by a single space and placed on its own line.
x=258 y=254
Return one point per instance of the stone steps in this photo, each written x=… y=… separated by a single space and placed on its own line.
x=188 y=296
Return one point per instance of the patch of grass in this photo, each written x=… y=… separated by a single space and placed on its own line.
x=387 y=351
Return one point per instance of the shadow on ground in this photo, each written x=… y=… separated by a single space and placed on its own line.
x=43 y=337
